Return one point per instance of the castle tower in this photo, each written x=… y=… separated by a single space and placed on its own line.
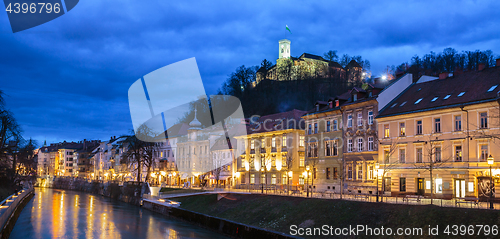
x=284 y=48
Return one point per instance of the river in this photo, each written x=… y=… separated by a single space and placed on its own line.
x=54 y=213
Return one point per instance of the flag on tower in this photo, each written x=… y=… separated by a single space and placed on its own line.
x=288 y=29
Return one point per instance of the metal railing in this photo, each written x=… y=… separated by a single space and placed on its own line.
x=9 y=205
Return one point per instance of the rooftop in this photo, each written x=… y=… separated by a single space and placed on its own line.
x=463 y=89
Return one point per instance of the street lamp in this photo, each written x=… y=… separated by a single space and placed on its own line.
x=377 y=166
x=491 y=160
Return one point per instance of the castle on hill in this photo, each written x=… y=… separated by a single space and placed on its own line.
x=307 y=66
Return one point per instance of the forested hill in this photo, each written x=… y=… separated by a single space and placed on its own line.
x=271 y=96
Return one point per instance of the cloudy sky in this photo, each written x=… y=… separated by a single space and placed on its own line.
x=68 y=79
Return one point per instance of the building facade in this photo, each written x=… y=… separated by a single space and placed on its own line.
x=272 y=153
x=436 y=137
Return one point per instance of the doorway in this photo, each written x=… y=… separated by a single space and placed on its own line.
x=459 y=188
x=420 y=186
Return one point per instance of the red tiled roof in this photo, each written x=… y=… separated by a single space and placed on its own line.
x=475 y=85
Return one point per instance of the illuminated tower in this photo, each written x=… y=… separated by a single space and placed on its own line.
x=284 y=48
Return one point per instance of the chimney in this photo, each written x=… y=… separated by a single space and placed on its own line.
x=443 y=75
x=498 y=62
x=481 y=66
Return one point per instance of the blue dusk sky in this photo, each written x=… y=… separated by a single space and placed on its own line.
x=68 y=79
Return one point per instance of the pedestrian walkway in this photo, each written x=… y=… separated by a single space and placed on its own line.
x=351 y=197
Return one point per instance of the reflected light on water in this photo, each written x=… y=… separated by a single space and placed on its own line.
x=56 y=213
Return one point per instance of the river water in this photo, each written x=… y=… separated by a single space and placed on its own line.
x=54 y=213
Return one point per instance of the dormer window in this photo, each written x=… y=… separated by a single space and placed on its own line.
x=492 y=88
x=354 y=97
x=317 y=107
x=370 y=94
x=461 y=93
x=330 y=104
x=337 y=103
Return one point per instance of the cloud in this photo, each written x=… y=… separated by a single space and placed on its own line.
x=69 y=78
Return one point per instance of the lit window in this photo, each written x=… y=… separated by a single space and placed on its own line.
x=386 y=131
x=492 y=88
x=252 y=144
x=252 y=178
x=458 y=153
x=360 y=118
x=301 y=162
x=434 y=99
x=439 y=185
x=402 y=129
x=370 y=172
x=273 y=142
x=418 y=101
x=301 y=141
x=284 y=141
x=360 y=172
x=370 y=117
x=273 y=179
x=461 y=93
x=387 y=156
x=446 y=97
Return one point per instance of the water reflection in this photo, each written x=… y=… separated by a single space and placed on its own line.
x=68 y=214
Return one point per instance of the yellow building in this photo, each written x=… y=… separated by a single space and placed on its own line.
x=272 y=154
x=436 y=136
x=324 y=146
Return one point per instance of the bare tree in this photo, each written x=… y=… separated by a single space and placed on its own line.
x=266 y=163
x=388 y=165
x=433 y=149
x=312 y=162
x=140 y=152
